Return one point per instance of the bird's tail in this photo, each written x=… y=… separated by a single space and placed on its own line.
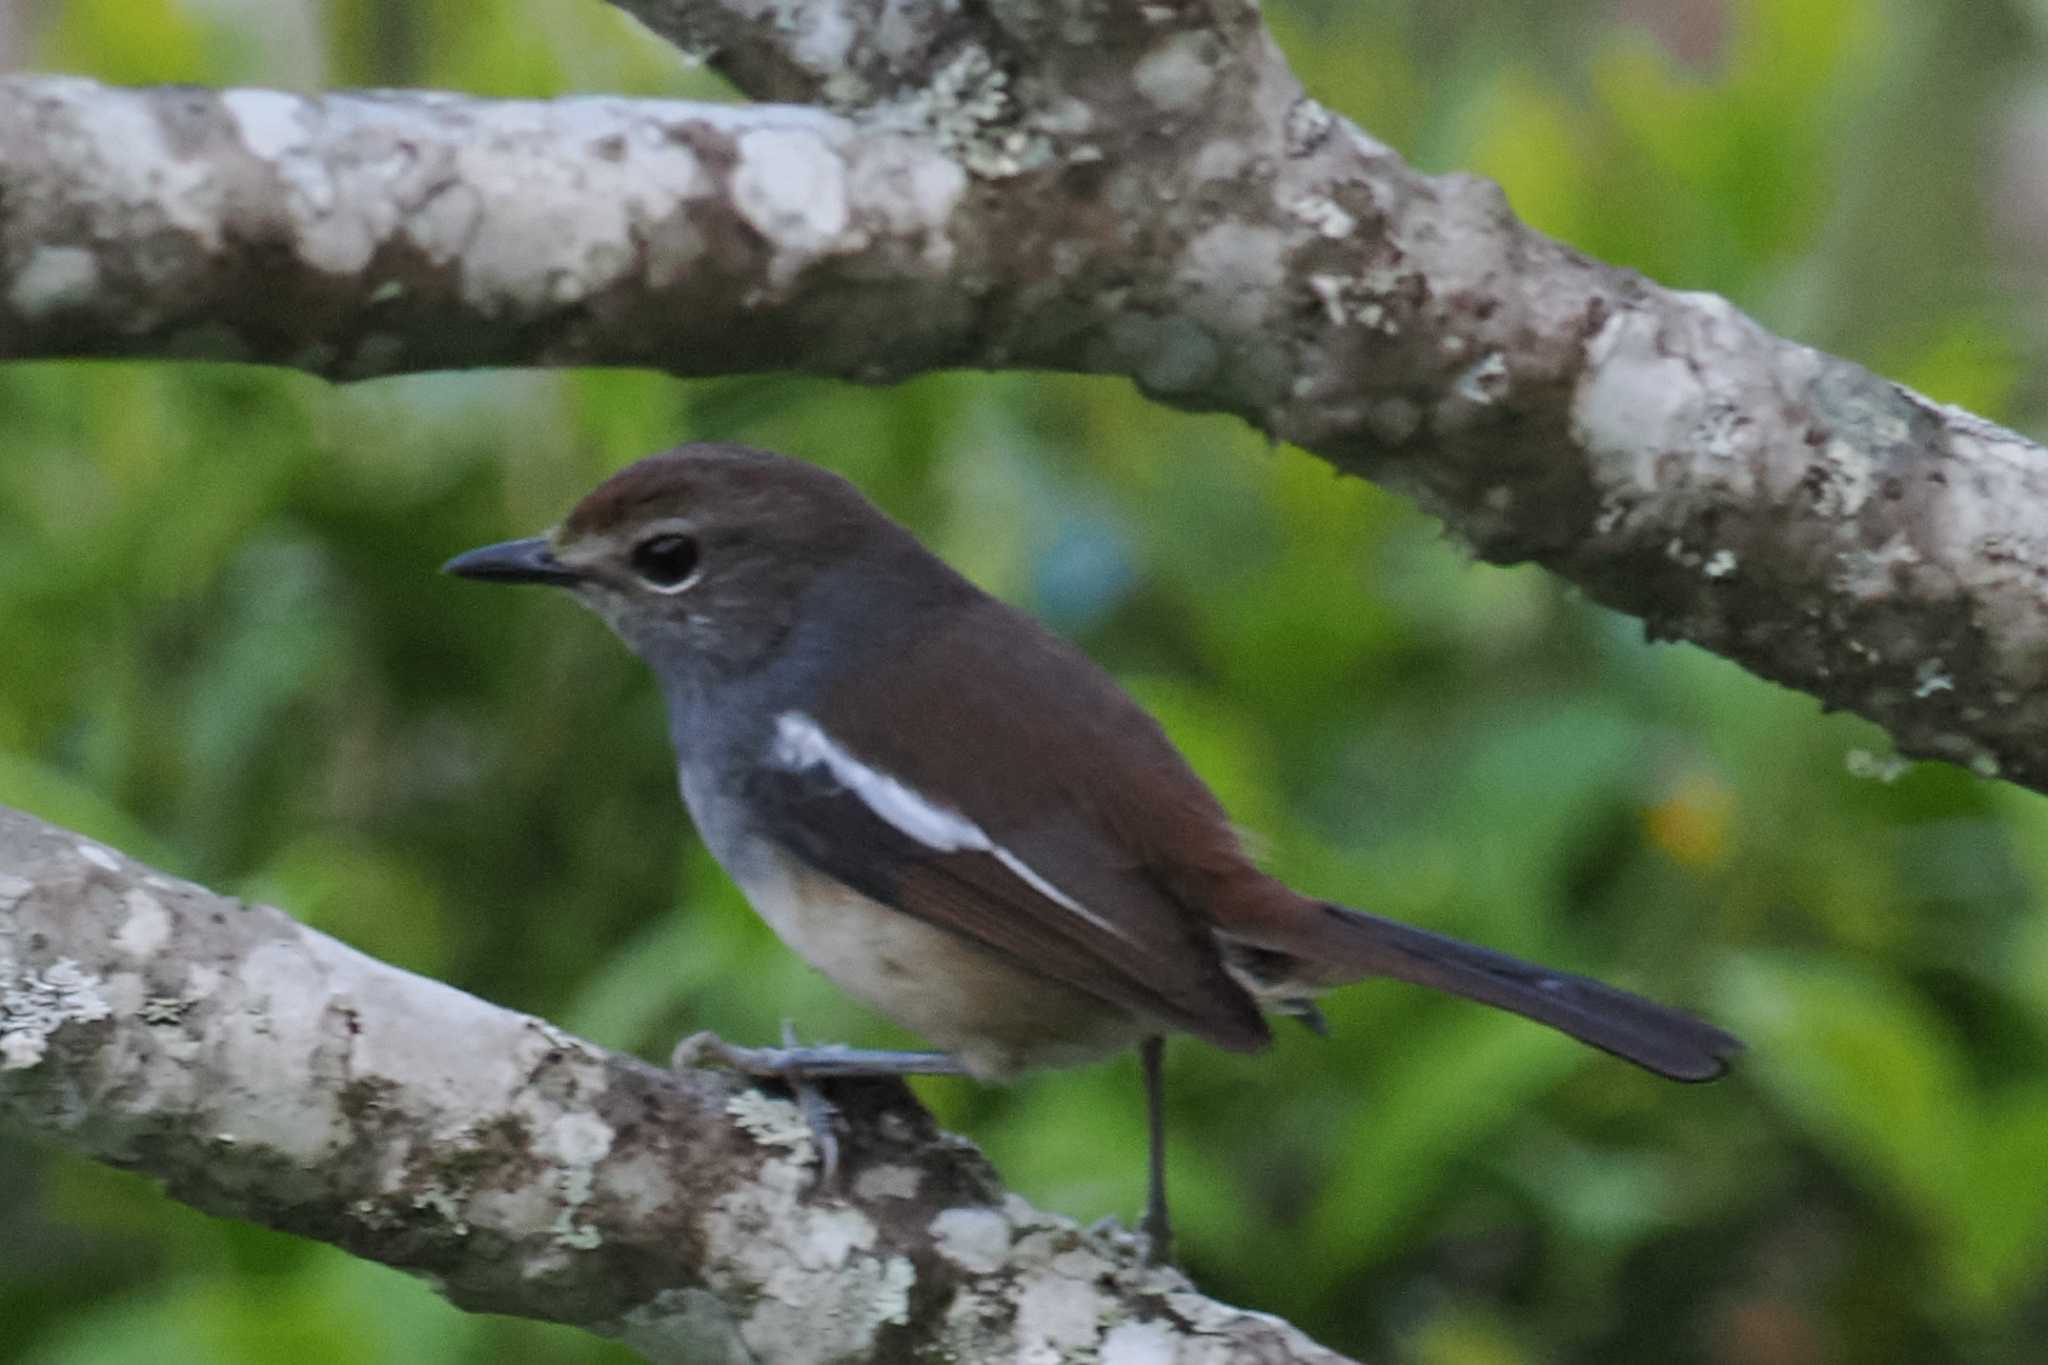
x=1329 y=945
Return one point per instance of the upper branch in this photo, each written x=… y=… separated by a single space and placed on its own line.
x=864 y=54
x=1135 y=189
x=364 y=234
x=266 y=1072
x=831 y=52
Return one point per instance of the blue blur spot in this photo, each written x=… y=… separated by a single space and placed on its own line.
x=1083 y=575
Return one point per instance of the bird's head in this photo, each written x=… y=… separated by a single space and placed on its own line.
x=696 y=557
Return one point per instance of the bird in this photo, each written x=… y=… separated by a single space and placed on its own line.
x=961 y=819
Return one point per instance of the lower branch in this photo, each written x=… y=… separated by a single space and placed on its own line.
x=266 y=1072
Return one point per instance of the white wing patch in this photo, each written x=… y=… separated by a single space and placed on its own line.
x=801 y=743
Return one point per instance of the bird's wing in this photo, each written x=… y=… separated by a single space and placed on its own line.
x=1023 y=854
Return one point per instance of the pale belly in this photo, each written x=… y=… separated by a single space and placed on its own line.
x=994 y=1018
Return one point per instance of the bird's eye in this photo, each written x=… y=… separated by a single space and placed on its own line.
x=666 y=563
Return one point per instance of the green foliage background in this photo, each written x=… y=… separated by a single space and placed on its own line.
x=227 y=651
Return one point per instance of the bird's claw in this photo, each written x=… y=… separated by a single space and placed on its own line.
x=803 y=1068
x=820 y=1114
x=785 y=1064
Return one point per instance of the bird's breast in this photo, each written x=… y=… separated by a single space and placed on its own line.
x=997 y=1019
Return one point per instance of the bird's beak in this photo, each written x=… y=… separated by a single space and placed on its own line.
x=514 y=561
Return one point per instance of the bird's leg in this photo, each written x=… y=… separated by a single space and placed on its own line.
x=1157 y=1227
x=801 y=1068
x=829 y=1062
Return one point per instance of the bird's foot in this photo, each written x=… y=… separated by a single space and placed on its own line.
x=831 y=1061
x=802 y=1068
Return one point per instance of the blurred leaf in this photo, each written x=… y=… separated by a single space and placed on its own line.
x=1467 y=1335
x=130 y=42
x=1971 y=362
x=1873 y=1075
x=1526 y=138
x=1539 y=781
x=1450 y=1087
x=367 y=896
x=2001 y=1249
x=64 y=800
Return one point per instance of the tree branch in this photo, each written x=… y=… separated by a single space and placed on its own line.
x=1146 y=194
x=356 y=235
x=266 y=1072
